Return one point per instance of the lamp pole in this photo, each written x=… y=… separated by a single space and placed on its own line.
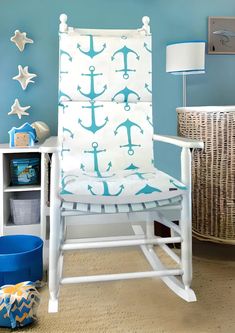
x=184 y=90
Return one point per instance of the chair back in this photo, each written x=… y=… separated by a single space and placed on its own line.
x=105 y=101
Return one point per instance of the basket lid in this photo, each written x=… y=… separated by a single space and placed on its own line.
x=226 y=108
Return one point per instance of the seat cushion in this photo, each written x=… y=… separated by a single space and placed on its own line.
x=132 y=185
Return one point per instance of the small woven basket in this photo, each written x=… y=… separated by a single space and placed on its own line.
x=213 y=170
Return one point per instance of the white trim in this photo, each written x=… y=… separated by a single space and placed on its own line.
x=179 y=141
x=118 y=242
x=121 y=276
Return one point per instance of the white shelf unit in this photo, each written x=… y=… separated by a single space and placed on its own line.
x=7 y=190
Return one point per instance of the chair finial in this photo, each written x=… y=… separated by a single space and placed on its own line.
x=145 y=27
x=63 y=23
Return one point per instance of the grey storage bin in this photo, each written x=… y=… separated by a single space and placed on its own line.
x=25 y=207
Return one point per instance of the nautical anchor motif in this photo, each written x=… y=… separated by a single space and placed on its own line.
x=128 y=125
x=92 y=94
x=147 y=189
x=146 y=47
x=63 y=150
x=180 y=187
x=149 y=121
x=91 y=52
x=126 y=92
x=68 y=130
x=140 y=174
x=70 y=59
x=132 y=167
x=64 y=184
x=147 y=88
x=125 y=51
x=63 y=106
x=82 y=167
x=93 y=127
x=67 y=54
x=62 y=94
x=95 y=153
x=147 y=85
x=61 y=73
x=106 y=190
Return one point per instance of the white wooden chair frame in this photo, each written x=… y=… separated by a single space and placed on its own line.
x=181 y=233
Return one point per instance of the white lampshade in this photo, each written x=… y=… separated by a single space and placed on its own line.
x=186 y=58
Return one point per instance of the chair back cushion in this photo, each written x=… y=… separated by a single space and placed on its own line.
x=105 y=103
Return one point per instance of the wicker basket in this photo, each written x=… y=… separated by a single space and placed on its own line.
x=213 y=180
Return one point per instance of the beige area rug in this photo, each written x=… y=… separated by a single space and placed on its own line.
x=139 y=306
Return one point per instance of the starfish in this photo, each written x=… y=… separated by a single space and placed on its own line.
x=24 y=77
x=16 y=108
x=20 y=40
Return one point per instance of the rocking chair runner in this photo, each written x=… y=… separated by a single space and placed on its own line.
x=105 y=155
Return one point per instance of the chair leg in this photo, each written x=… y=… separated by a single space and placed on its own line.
x=63 y=229
x=54 y=256
x=171 y=281
x=55 y=239
x=186 y=245
x=149 y=228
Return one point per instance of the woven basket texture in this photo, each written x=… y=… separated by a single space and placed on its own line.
x=213 y=173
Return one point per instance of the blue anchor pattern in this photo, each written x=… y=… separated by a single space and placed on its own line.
x=132 y=167
x=95 y=153
x=147 y=189
x=147 y=88
x=62 y=52
x=147 y=48
x=93 y=126
x=63 y=96
x=106 y=191
x=128 y=124
x=63 y=183
x=69 y=57
x=149 y=120
x=146 y=84
x=177 y=185
x=139 y=175
x=126 y=92
x=63 y=150
x=91 y=52
x=92 y=94
x=68 y=131
x=63 y=106
x=125 y=51
x=62 y=73
x=104 y=153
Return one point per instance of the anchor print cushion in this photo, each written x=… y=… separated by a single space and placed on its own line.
x=105 y=121
x=101 y=136
x=90 y=64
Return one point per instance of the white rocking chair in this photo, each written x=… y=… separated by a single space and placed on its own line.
x=103 y=163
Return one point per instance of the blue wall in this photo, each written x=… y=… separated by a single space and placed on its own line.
x=170 y=21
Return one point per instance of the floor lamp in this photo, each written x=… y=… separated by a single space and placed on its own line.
x=185 y=58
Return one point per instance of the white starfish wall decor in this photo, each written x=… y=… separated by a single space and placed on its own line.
x=24 y=77
x=19 y=110
x=20 y=40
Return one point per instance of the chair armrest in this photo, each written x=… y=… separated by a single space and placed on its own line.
x=179 y=141
x=50 y=145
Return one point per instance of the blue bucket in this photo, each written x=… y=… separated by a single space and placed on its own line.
x=20 y=259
